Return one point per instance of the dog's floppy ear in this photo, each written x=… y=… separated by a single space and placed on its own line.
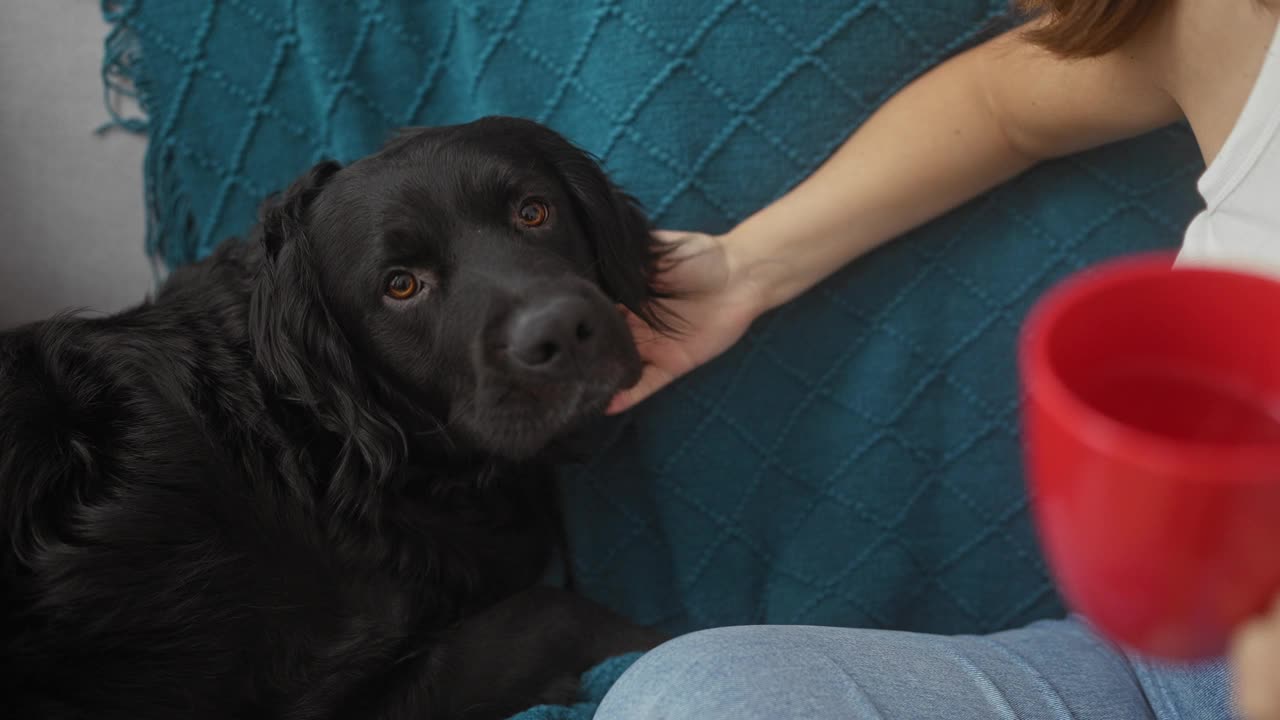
x=627 y=255
x=283 y=216
x=301 y=348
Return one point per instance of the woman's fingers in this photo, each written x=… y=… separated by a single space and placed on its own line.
x=652 y=379
x=1255 y=656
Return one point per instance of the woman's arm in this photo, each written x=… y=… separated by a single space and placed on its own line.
x=966 y=126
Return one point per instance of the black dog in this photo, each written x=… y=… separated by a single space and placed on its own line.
x=308 y=479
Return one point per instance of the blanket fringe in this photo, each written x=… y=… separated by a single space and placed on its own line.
x=171 y=236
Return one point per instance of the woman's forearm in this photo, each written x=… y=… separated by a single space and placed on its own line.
x=961 y=129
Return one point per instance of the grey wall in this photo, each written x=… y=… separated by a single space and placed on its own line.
x=70 y=201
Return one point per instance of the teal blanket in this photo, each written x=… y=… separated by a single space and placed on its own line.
x=855 y=461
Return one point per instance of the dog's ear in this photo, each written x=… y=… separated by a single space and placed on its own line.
x=626 y=253
x=282 y=216
x=301 y=348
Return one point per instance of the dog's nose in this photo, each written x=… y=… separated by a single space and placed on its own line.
x=553 y=337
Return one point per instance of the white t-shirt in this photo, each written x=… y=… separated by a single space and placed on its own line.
x=1240 y=225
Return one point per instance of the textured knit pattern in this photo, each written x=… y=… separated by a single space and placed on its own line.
x=855 y=460
x=595 y=683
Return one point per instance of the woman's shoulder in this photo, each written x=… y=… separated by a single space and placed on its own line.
x=1207 y=54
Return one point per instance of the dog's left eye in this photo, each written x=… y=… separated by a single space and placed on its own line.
x=533 y=213
x=402 y=286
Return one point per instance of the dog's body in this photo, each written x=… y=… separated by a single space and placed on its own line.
x=306 y=480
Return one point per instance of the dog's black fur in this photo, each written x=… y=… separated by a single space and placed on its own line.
x=277 y=491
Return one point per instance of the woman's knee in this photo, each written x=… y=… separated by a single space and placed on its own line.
x=672 y=680
x=735 y=672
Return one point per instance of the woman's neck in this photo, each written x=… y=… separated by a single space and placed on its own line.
x=1208 y=57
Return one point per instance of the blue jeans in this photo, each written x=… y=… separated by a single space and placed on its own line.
x=1051 y=669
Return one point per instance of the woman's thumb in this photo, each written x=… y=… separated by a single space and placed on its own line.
x=652 y=379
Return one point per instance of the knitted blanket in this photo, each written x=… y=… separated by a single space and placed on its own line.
x=855 y=461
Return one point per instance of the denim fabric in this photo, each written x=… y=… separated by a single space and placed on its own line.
x=1050 y=669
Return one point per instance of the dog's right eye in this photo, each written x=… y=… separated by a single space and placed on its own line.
x=533 y=213
x=402 y=285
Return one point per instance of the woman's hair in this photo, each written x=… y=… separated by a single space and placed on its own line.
x=1086 y=28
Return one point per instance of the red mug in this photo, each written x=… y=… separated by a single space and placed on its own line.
x=1151 y=421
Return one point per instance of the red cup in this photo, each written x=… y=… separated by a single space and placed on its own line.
x=1152 y=437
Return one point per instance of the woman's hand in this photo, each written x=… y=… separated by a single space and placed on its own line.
x=1255 y=659
x=712 y=304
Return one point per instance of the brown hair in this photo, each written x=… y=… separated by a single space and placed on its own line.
x=1086 y=28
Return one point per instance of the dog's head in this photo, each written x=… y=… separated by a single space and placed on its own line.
x=468 y=275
